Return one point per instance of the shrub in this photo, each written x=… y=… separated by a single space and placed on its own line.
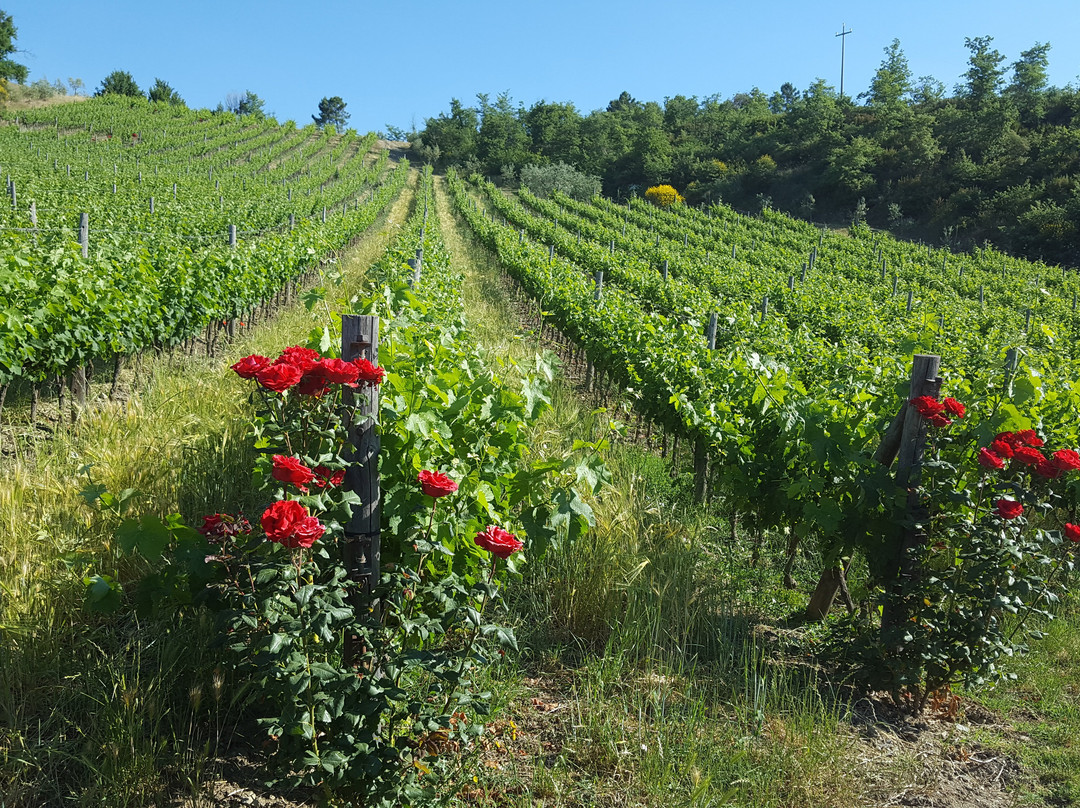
x=663 y=195
x=545 y=180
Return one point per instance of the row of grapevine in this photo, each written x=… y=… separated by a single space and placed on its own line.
x=791 y=415
x=155 y=280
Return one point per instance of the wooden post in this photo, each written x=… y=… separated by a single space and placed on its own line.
x=78 y=392
x=982 y=293
x=551 y=254
x=33 y=219
x=701 y=452
x=84 y=234
x=151 y=206
x=11 y=190
x=292 y=220
x=802 y=278
x=791 y=283
x=598 y=292
x=361 y=549
x=901 y=565
x=764 y=308
x=910 y=300
x=732 y=252
x=232 y=235
x=664 y=270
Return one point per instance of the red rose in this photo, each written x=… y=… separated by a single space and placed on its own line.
x=367 y=372
x=291 y=471
x=303 y=358
x=279 y=377
x=1066 y=459
x=498 y=541
x=314 y=382
x=1072 y=532
x=325 y=477
x=1008 y=508
x=927 y=406
x=280 y=520
x=1010 y=438
x=938 y=420
x=247 y=367
x=954 y=408
x=1048 y=470
x=1029 y=456
x=1002 y=447
x=988 y=460
x=1029 y=437
x=339 y=371
x=308 y=531
x=436 y=484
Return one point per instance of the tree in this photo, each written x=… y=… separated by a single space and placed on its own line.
x=1028 y=88
x=893 y=79
x=161 y=91
x=119 y=82
x=75 y=84
x=331 y=113
x=9 y=70
x=246 y=104
x=984 y=74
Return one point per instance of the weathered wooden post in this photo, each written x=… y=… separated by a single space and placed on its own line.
x=361 y=548
x=701 y=450
x=598 y=292
x=232 y=235
x=664 y=270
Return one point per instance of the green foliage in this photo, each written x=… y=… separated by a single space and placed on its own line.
x=9 y=69
x=247 y=103
x=331 y=113
x=545 y=180
x=163 y=93
x=119 y=82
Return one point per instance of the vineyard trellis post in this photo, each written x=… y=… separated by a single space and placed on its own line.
x=701 y=452
x=904 y=441
x=361 y=549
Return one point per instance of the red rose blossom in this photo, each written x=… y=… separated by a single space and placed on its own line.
x=1047 y=470
x=1066 y=459
x=1072 y=532
x=279 y=377
x=314 y=383
x=498 y=541
x=989 y=460
x=328 y=477
x=939 y=420
x=291 y=471
x=367 y=372
x=1028 y=456
x=303 y=358
x=927 y=406
x=1002 y=447
x=1008 y=508
x=281 y=519
x=247 y=367
x=954 y=408
x=339 y=371
x=1010 y=438
x=1029 y=437
x=307 y=531
x=436 y=484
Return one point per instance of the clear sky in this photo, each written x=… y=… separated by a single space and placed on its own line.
x=401 y=62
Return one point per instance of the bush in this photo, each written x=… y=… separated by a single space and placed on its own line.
x=545 y=180
x=663 y=195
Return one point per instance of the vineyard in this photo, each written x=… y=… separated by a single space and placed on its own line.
x=542 y=501
x=131 y=232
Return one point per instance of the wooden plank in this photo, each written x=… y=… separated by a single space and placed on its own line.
x=362 y=545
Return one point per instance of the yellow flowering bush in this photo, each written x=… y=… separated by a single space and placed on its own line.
x=663 y=195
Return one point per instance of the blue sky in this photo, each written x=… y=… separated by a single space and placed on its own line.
x=400 y=62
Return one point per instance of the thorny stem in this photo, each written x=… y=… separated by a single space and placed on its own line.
x=472 y=637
